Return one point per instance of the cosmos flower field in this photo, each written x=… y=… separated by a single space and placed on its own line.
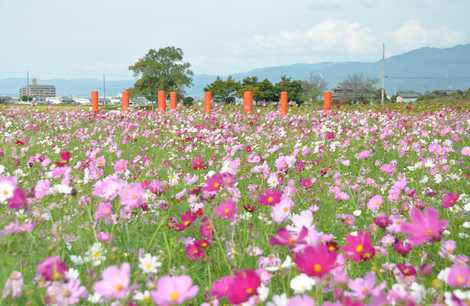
x=365 y=206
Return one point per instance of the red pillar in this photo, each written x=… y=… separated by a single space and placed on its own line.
x=161 y=101
x=284 y=103
x=173 y=99
x=327 y=100
x=125 y=100
x=94 y=101
x=248 y=102
x=207 y=102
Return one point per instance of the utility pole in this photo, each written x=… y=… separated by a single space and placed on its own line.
x=27 y=86
x=383 y=72
x=104 y=90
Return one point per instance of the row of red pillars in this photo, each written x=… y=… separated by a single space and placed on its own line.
x=247 y=101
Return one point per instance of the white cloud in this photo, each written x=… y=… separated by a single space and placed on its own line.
x=413 y=34
x=337 y=36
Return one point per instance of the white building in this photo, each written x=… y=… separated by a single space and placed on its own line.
x=407 y=96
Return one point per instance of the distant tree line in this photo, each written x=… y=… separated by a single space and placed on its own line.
x=264 y=91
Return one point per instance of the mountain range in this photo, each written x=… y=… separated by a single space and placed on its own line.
x=423 y=69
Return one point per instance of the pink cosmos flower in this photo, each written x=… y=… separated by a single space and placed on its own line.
x=284 y=237
x=41 y=189
x=104 y=237
x=359 y=247
x=52 y=269
x=226 y=210
x=174 y=290
x=245 y=285
x=280 y=212
x=364 y=287
x=375 y=203
x=315 y=261
x=465 y=151
x=69 y=293
x=115 y=282
x=449 y=199
x=120 y=166
x=459 y=276
x=16 y=227
x=424 y=226
x=270 y=197
x=13 y=286
x=104 y=210
x=132 y=195
x=108 y=188
x=363 y=154
x=388 y=169
x=301 y=300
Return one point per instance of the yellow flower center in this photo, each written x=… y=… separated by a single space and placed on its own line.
x=134 y=196
x=317 y=268
x=285 y=209
x=118 y=287
x=227 y=211
x=429 y=232
x=216 y=184
x=270 y=199
x=460 y=279
x=174 y=296
x=366 y=255
x=249 y=290
x=56 y=275
x=359 y=248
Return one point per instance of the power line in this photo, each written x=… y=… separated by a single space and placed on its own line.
x=427 y=77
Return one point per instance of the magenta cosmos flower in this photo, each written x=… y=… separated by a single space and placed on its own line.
x=424 y=226
x=226 y=210
x=315 y=261
x=221 y=286
x=115 y=282
x=52 y=269
x=174 y=290
x=270 y=197
x=245 y=284
x=449 y=199
x=359 y=247
x=18 y=200
x=214 y=183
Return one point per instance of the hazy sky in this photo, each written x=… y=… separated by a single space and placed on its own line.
x=71 y=38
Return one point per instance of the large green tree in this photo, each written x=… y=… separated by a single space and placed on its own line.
x=162 y=69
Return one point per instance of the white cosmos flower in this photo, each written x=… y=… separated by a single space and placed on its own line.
x=279 y=300
x=6 y=189
x=302 y=283
x=149 y=264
